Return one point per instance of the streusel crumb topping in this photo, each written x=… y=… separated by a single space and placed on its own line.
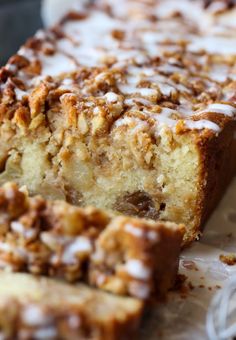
x=102 y=71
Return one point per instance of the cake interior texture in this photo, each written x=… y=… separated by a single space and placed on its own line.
x=131 y=111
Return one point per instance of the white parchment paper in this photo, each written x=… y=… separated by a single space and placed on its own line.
x=183 y=317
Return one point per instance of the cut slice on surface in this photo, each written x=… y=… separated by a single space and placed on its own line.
x=40 y=308
x=123 y=255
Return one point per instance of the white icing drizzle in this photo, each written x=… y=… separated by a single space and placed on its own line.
x=27 y=53
x=139 y=289
x=153 y=236
x=11 y=67
x=211 y=44
x=20 y=94
x=57 y=64
x=20 y=229
x=146 y=92
x=79 y=245
x=74 y=321
x=6 y=247
x=46 y=333
x=111 y=97
x=202 y=124
x=135 y=101
x=135 y=124
x=163 y=118
x=137 y=232
x=224 y=109
x=54 y=10
x=137 y=269
x=34 y=316
x=91 y=42
x=17 y=227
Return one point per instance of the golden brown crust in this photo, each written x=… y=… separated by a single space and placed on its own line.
x=218 y=167
x=122 y=255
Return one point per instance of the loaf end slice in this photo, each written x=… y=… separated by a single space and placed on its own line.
x=120 y=254
x=41 y=308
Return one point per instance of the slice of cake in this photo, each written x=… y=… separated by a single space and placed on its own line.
x=132 y=111
x=40 y=308
x=123 y=255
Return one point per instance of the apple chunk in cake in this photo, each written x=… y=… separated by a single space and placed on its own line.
x=130 y=114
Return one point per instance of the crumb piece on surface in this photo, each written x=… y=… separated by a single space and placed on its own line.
x=190 y=285
x=230 y=259
x=191 y=265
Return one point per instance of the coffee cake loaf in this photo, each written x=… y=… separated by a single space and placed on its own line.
x=40 y=308
x=123 y=255
x=128 y=108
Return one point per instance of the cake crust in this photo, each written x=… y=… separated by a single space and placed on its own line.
x=216 y=154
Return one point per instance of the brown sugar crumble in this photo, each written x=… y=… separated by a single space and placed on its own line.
x=230 y=259
x=180 y=282
x=201 y=286
x=182 y=286
x=190 y=285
